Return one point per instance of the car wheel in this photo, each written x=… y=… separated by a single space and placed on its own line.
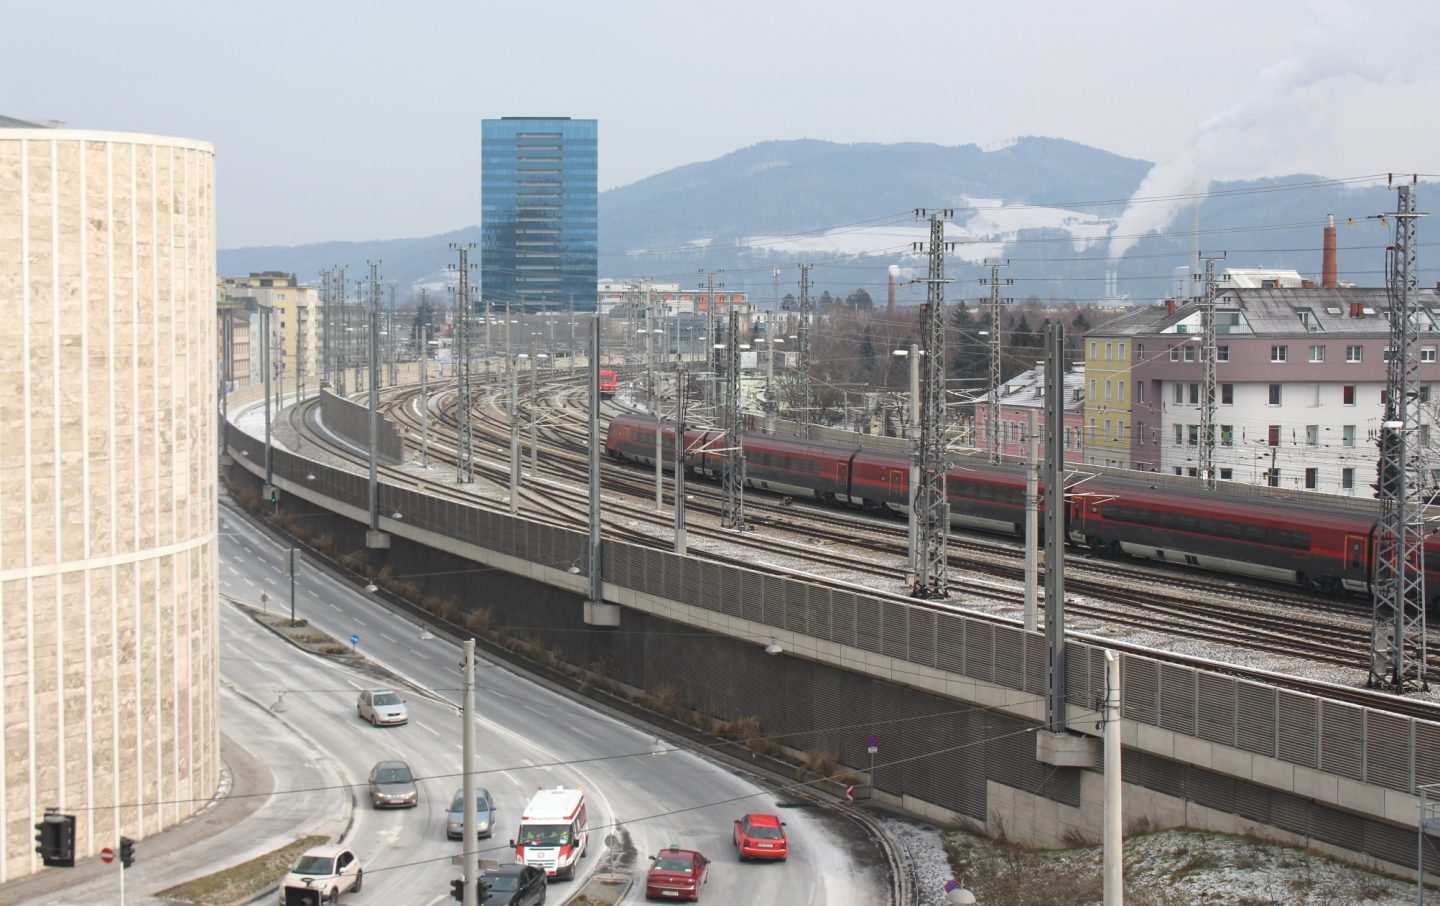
x=374 y=721
x=359 y=881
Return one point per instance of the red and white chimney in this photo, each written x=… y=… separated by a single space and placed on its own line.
x=1329 y=266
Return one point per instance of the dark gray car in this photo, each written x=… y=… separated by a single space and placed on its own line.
x=484 y=814
x=392 y=785
x=514 y=885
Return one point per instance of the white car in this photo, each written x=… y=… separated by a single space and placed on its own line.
x=320 y=876
x=382 y=707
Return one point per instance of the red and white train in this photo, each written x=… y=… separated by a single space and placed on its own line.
x=1325 y=543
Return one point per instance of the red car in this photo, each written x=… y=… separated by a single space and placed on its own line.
x=761 y=837
x=676 y=874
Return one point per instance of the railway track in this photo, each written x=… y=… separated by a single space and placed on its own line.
x=1270 y=621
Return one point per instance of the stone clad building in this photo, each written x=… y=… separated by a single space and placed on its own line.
x=107 y=485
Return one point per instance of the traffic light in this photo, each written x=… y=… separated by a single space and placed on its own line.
x=457 y=890
x=56 y=838
x=127 y=851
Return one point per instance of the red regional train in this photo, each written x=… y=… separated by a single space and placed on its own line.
x=1324 y=544
x=608 y=385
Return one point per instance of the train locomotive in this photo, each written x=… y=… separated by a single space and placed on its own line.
x=1325 y=543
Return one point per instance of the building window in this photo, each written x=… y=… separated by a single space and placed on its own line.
x=1140 y=351
x=1386 y=356
x=1189 y=352
x=1222 y=353
x=1347 y=436
x=1272 y=477
x=1093 y=347
x=1355 y=353
x=1122 y=352
x=1139 y=391
x=1427 y=353
x=1177 y=470
x=1424 y=393
x=1274 y=394
x=1312 y=478
x=1092 y=429
x=1347 y=394
x=1347 y=478
x=1227 y=474
x=1312 y=435
x=1227 y=394
x=1194 y=434
x=1424 y=435
x=1179 y=394
x=1195 y=394
x=1109 y=350
x=1317 y=353
x=1107 y=430
x=1273 y=435
x=1227 y=435
x=1140 y=433
x=1174 y=353
x=1093 y=385
x=1107 y=391
x=1191 y=472
x=1279 y=354
x=1179 y=434
x=1120 y=391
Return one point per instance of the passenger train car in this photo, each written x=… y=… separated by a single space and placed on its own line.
x=1321 y=543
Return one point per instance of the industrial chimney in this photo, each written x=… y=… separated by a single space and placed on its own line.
x=1329 y=267
x=894 y=273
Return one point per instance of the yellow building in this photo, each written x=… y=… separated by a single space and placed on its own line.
x=294 y=315
x=1107 y=399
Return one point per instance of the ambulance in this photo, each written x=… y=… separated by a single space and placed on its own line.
x=552 y=832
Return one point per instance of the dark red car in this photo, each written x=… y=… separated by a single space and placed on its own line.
x=676 y=874
x=761 y=837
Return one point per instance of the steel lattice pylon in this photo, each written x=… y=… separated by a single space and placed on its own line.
x=930 y=509
x=992 y=412
x=1397 y=635
x=1209 y=350
x=734 y=513
x=802 y=370
x=465 y=441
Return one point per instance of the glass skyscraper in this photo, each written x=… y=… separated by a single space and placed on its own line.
x=539 y=213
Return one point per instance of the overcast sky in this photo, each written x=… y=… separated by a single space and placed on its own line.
x=361 y=119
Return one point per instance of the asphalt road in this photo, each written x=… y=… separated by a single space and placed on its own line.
x=310 y=754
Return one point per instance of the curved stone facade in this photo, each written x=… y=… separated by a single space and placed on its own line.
x=109 y=649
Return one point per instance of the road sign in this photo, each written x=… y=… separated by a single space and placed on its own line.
x=354 y=640
x=850 y=793
x=952 y=884
x=107 y=855
x=872 y=745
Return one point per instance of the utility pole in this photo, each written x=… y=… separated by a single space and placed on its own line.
x=469 y=855
x=802 y=368
x=931 y=508
x=325 y=326
x=361 y=359
x=1054 y=527
x=514 y=437
x=680 y=456
x=374 y=394
x=339 y=350
x=915 y=458
x=465 y=442
x=597 y=575
x=1032 y=521
x=770 y=340
x=733 y=516
x=712 y=335
x=534 y=410
x=1208 y=354
x=1397 y=635
x=992 y=412
x=424 y=382
x=265 y=369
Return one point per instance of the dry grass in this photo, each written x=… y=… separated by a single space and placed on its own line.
x=242 y=882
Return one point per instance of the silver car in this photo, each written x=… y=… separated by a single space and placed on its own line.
x=392 y=785
x=484 y=814
x=382 y=707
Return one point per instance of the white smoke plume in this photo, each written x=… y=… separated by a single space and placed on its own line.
x=1341 y=46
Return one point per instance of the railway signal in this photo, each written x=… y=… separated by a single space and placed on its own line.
x=55 y=837
x=127 y=852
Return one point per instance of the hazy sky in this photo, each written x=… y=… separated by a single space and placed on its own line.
x=361 y=119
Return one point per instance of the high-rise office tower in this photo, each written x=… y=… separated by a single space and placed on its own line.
x=539 y=213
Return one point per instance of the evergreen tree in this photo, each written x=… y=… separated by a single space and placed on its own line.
x=867 y=351
x=859 y=300
x=1022 y=337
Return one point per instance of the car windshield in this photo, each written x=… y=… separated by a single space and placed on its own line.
x=392 y=775
x=458 y=803
x=314 y=865
x=503 y=883
x=763 y=832
x=385 y=698
x=545 y=835
x=674 y=863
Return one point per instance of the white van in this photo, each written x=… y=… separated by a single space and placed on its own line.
x=552 y=832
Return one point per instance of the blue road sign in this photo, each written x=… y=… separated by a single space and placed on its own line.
x=354 y=640
x=872 y=743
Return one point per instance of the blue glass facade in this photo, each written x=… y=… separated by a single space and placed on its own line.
x=539 y=213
